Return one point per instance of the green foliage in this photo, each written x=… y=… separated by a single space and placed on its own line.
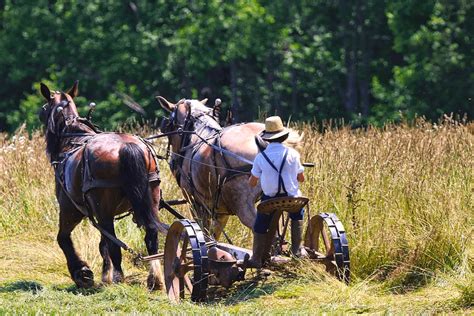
x=302 y=59
x=436 y=75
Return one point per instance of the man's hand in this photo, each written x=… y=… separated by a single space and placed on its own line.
x=300 y=177
x=253 y=181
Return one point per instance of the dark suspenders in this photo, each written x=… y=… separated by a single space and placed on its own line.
x=281 y=184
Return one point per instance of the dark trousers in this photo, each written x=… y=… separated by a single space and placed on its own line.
x=262 y=222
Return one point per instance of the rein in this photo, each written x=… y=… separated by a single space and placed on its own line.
x=209 y=165
x=180 y=131
x=225 y=151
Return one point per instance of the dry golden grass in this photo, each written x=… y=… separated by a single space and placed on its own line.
x=404 y=193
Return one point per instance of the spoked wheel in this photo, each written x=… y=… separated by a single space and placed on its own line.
x=185 y=262
x=327 y=241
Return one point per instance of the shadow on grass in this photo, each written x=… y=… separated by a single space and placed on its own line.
x=410 y=281
x=132 y=280
x=21 y=286
x=135 y=279
x=73 y=289
x=259 y=285
x=34 y=287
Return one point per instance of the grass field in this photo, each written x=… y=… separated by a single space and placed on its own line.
x=405 y=195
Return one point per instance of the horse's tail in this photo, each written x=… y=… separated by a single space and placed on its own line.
x=134 y=179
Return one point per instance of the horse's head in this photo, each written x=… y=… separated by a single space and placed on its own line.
x=56 y=114
x=185 y=110
x=188 y=115
x=60 y=107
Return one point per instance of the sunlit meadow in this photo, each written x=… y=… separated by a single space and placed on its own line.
x=404 y=193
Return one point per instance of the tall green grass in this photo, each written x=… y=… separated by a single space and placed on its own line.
x=404 y=193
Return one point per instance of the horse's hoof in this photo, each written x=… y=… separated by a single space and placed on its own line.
x=154 y=283
x=84 y=277
x=118 y=277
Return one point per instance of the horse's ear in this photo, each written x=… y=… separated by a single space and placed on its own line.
x=165 y=104
x=204 y=101
x=45 y=91
x=74 y=91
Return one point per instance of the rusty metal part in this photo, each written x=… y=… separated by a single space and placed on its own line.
x=224 y=267
x=218 y=255
x=285 y=203
x=238 y=253
x=186 y=272
x=326 y=242
x=162 y=254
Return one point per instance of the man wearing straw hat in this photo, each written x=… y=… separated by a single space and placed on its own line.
x=279 y=169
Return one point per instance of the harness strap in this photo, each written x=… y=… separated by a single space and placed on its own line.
x=154 y=175
x=84 y=211
x=88 y=184
x=281 y=184
x=78 y=134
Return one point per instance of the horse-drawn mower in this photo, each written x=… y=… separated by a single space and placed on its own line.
x=193 y=260
x=212 y=164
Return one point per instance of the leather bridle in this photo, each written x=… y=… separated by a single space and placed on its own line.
x=54 y=111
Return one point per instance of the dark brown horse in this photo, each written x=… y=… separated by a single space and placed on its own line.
x=99 y=175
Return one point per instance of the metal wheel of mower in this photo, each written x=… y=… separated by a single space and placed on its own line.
x=186 y=267
x=327 y=240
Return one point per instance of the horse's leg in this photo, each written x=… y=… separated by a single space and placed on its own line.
x=155 y=279
x=80 y=272
x=245 y=211
x=220 y=225
x=239 y=197
x=107 y=267
x=102 y=202
x=114 y=251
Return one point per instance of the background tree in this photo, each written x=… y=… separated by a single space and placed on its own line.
x=366 y=61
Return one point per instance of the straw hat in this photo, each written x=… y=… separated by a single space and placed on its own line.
x=273 y=128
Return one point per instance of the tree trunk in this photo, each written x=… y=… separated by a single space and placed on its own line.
x=235 y=107
x=364 y=67
x=350 y=50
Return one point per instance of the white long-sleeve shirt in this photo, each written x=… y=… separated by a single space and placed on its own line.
x=269 y=177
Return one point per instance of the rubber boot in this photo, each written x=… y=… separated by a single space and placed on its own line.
x=259 y=245
x=297 y=248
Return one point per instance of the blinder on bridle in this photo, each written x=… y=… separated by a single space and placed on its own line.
x=58 y=108
x=167 y=123
x=170 y=123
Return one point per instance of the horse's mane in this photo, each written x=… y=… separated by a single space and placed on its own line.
x=201 y=113
x=54 y=138
x=52 y=144
x=211 y=125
